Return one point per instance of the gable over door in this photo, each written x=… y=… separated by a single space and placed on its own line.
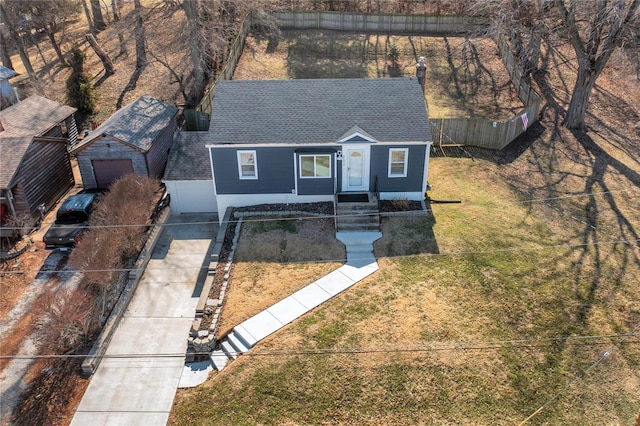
x=108 y=171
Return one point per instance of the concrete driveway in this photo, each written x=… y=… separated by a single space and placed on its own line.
x=136 y=382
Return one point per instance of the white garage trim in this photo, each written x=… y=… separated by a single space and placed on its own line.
x=192 y=196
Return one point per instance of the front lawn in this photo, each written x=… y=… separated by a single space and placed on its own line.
x=470 y=333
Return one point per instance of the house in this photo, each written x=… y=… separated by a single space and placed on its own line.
x=35 y=169
x=298 y=141
x=136 y=139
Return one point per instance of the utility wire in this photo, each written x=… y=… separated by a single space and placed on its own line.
x=460 y=253
x=477 y=345
x=604 y=356
x=332 y=216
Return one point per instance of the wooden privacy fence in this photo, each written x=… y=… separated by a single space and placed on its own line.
x=235 y=52
x=381 y=23
x=487 y=133
x=480 y=132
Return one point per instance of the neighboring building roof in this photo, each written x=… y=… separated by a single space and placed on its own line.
x=33 y=116
x=137 y=124
x=6 y=73
x=21 y=122
x=12 y=149
x=318 y=111
x=189 y=157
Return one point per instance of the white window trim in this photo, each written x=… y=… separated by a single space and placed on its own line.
x=255 y=164
x=314 y=166
x=406 y=162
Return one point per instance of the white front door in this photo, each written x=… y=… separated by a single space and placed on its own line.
x=355 y=169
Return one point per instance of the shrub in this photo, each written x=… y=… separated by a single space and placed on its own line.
x=79 y=89
x=117 y=232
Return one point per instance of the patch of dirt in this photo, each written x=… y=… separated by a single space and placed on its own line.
x=272 y=263
x=392 y=206
x=323 y=208
x=17 y=274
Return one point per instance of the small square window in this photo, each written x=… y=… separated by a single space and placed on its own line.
x=398 y=158
x=315 y=166
x=247 y=165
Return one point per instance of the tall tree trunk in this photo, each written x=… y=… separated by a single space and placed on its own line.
x=116 y=21
x=92 y=28
x=56 y=47
x=575 y=118
x=98 y=19
x=141 y=51
x=18 y=42
x=4 y=53
x=191 y=9
x=104 y=56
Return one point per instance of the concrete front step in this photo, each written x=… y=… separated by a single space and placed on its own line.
x=228 y=349
x=359 y=248
x=357 y=227
x=238 y=344
x=219 y=359
x=373 y=217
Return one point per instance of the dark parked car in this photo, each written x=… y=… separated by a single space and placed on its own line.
x=71 y=219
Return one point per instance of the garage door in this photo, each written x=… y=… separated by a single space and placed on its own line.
x=108 y=171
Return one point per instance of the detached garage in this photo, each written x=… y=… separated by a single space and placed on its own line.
x=188 y=174
x=136 y=139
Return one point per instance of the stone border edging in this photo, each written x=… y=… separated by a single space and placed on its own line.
x=204 y=340
x=407 y=213
x=239 y=215
x=94 y=357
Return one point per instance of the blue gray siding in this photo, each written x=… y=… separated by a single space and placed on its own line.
x=277 y=175
x=380 y=168
x=276 y=172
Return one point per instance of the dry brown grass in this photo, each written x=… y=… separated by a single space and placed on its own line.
x=459 y=83
x=165 y=36
x=274 y=259
x=508 y=268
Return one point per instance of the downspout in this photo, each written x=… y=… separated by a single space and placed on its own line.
x=10 y=198
x=425 y=173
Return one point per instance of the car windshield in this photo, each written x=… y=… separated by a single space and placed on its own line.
x=72 y=217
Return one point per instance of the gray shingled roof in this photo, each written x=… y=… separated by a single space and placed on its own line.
x=23 y=121
x=33 y=116
x=189 y=157
x=317 y=111
x=137 y=124
x=12 y=149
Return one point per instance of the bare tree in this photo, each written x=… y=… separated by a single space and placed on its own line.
x=116 y=20
x=141 y=50
x=92 y=28
x=98 y=19
x=196 y=48
x=595 y=29
x=48 y=16
x=102 y=54
x=17 y=39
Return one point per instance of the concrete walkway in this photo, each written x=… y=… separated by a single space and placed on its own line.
x=136 y=383
x=360 y=263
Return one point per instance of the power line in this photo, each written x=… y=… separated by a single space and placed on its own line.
x=333 y=216
x=604 y=356
x=476 y=345
x=460 y=253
